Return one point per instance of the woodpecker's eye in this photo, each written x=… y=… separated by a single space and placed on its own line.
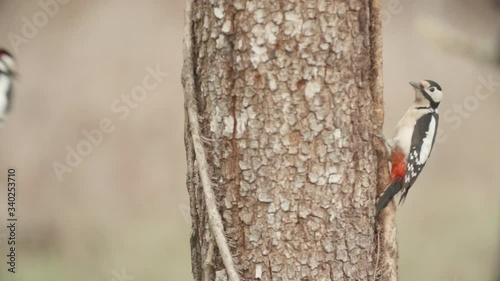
x=432 y=89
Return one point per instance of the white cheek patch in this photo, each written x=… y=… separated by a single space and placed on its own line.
x=425 y=150
x=436 y=96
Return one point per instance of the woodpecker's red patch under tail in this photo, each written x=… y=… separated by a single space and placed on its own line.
x=398 y=160
x=398 y=171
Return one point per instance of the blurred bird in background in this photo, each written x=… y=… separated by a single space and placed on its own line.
x=7 y=74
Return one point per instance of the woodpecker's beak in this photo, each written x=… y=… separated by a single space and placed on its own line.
x=416 y=85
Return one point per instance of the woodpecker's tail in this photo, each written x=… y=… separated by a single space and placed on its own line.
x=403 y=196
x=388 y=194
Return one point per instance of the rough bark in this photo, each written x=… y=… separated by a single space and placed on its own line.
x=286 y=99
x=386 y=264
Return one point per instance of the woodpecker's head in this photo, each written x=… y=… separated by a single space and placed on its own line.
x=7 y=62
x=428 y=91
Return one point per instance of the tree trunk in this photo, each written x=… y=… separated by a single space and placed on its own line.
x=286 y=97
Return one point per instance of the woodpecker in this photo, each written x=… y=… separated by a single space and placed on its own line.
x=7 y=74
x=413 y=140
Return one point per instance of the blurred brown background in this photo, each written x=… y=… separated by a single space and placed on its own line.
x=121 y=214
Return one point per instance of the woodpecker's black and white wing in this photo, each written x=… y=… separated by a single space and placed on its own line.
x=422 y=141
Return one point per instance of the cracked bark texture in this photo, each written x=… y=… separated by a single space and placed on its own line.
x=283 y=91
